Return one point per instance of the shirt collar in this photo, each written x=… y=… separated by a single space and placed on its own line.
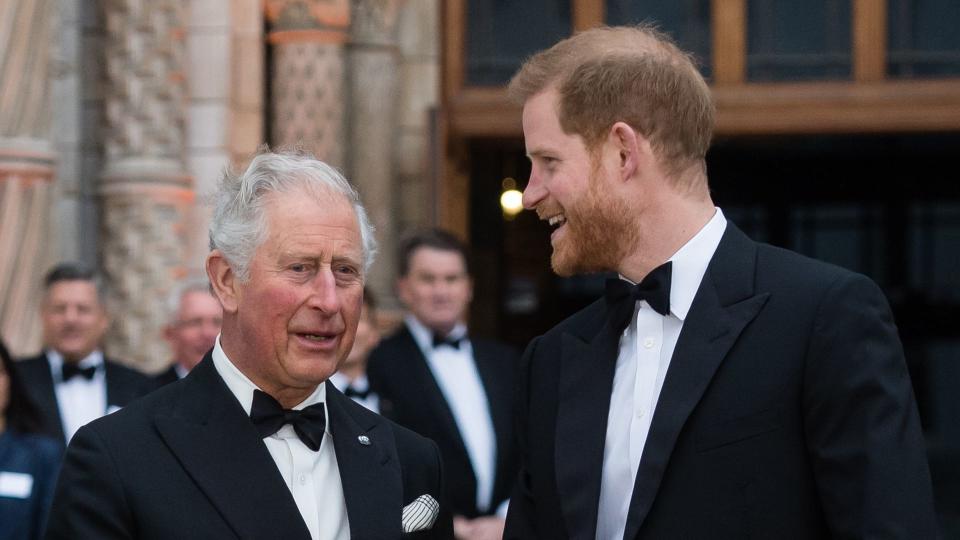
x=424 y=336
x=55 y=359
x=690 y=264
x=242 y=388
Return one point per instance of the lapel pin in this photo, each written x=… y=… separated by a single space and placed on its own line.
x=364 y=440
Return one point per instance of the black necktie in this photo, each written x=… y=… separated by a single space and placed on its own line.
x=439 y=340
x=352 y=392
x=268 y=417
x=71 y=370
x=655 y=289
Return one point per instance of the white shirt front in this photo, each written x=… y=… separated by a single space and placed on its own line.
x=456 y=374
x=646 y=348
x=360 y=384
x=79 y=400
x=313 y=478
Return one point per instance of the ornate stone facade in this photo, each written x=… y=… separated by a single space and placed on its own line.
x=146 y=193
x=373 y=100
x=308 y=76
x=26 y=164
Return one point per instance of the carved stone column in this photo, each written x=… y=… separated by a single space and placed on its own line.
x=146 y=194
x=26 y=165
x=307 y=75
x=373 y=84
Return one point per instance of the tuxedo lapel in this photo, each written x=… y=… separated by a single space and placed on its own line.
x=35 y=373
x=119 y=389
x=724 y=305
x=586 y=382
x=369 y=473
x=499 y=397
x=421 y=378
x=222 y=452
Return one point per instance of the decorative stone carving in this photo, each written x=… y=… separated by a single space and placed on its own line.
x=146 y=195
x=307 y=80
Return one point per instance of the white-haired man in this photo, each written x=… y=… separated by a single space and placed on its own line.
x=192 y=328
x=254 y=442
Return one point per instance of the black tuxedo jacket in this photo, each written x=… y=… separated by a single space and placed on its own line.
x=123 y=386
x=166 y=377
x=787 y=412
x=410 y=396
x=185 y=462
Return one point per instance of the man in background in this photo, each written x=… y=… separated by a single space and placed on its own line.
x=351 y=378
x=195 y=319
x=71 y=381
x=435 y=379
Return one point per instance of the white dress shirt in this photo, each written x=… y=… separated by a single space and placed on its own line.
x=79 y=400
x=360 y=384
x=456 y=374
x=646 y=348
x=313 y=478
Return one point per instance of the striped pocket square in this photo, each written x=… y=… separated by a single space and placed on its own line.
x=420 y=514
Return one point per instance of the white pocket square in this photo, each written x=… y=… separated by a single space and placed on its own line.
x=421 y=514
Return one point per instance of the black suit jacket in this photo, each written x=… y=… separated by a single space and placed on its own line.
x=123 y=386
x=786 y=412
x=166 y=377
x=409 y=395
x=186 y=462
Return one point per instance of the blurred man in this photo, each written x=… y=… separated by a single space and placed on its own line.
x=195 y=321
x=722 y=388
x=71 y=382
x=436 y=380
x=351 y=379
x=254 y=443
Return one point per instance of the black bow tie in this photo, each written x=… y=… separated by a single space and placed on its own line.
x=439 y=340
x=655 y=289
x=352 y=392
x=72 y=370
x=268 y=417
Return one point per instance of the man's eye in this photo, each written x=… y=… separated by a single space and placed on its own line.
x=298 y=268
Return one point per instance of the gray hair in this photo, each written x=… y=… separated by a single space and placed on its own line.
x=238 y=225
x=182 y=289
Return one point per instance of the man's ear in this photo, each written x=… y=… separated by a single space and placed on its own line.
x=633 y=150
x=223 y=280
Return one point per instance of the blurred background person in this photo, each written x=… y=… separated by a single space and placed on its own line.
x=71 y=382
x=28 y=461
x=436 y=380
x=194 y=323
x=351 y=379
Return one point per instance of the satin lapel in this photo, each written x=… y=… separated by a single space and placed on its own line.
x=46 y=396
x=725 y=304
x=421 y=378
x=370 y=474
x=499 y=399
x=118 y=390
x=586 y=382
x=222 y=452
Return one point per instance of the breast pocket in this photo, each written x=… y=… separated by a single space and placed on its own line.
x=738 y=429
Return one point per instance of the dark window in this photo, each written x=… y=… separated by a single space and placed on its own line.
x=798 y=40
x=688 y=21
x=501 y=35
x=924 y=38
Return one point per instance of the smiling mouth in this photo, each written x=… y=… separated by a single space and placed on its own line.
x=557 y=220
x=319 y=338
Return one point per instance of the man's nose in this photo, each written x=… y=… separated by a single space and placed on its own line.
x=534 y=192
x=324 y=295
